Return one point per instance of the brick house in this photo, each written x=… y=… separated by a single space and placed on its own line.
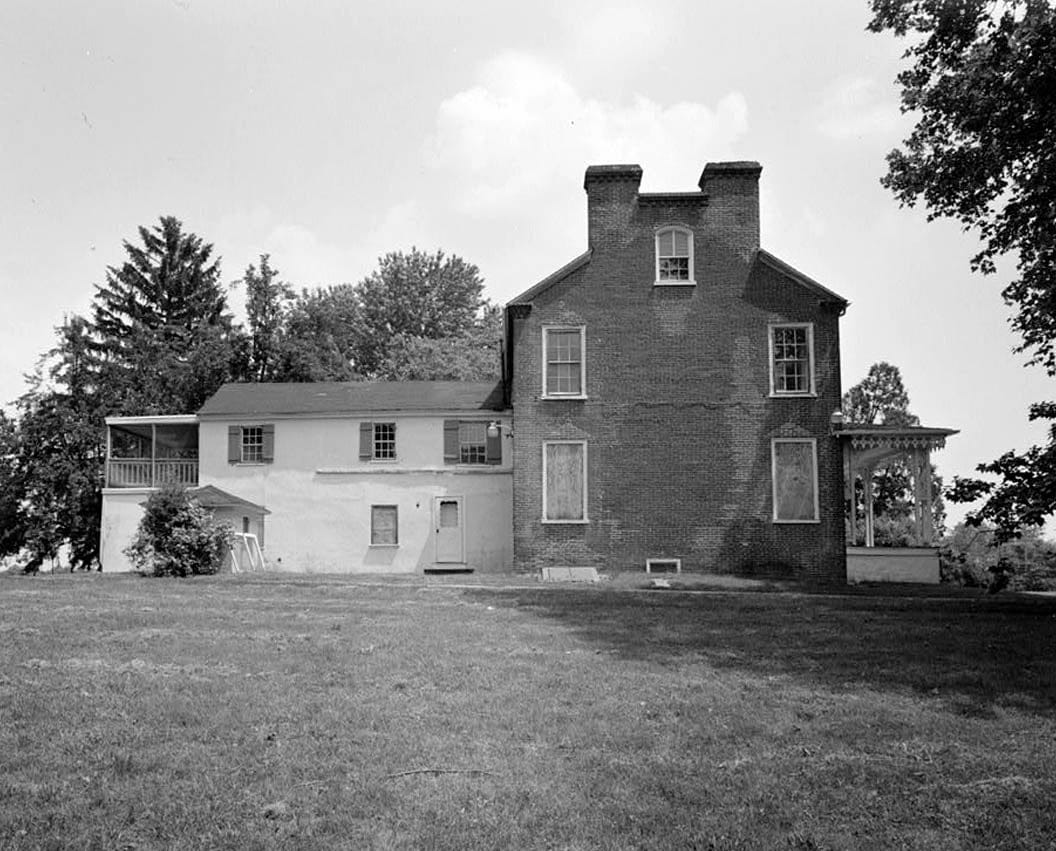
x=673 y=389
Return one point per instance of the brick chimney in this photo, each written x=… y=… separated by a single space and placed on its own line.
x=733 y=200
x=612 y=195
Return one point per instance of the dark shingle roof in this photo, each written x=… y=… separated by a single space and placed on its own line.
x=352 y=397
x=210 y=496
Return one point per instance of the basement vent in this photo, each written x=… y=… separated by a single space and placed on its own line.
x=663 y=565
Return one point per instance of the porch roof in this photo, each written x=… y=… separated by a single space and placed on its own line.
x=862 y=436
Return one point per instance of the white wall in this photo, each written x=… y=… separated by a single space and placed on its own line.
x=320 y=494
x=122 y=510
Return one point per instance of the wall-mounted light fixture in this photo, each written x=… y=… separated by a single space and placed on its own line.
x=836 y=421
x=495 y=429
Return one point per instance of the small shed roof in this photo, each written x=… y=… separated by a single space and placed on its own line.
x=210 y=496
x=352 y=397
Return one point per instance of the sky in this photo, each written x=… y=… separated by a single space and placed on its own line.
x=327 y=134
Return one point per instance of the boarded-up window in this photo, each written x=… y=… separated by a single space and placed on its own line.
x=565 y=481
x=795 y=480
x=383 y=526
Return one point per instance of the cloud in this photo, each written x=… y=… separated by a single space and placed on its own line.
x=523 y=129
x=855 y=107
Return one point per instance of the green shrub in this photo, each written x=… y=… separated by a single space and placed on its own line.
x=177 y=537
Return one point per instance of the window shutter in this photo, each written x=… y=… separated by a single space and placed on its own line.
x=366 y=441
x=493 y=453
x=234 y=444
x=268 y=452
x=451 y=441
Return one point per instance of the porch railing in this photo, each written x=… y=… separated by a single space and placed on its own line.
x=147 y=473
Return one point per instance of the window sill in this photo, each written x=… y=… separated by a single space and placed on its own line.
x=777 y=522
x=810 y=395
x=584 y=522
x=674 y=283
x=249 y=463
x=383 y=460
x=383 y=546
x=552 y=398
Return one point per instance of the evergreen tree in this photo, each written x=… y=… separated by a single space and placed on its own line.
x=163 y=341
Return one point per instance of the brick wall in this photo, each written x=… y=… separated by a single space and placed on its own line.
x=678 y=417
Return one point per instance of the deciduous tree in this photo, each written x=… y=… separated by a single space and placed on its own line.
x=418 y=294
x=982 y=85
x=472 y=355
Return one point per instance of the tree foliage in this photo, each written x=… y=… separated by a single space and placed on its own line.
x=982 y=83
x=417 y=294
x=177 y=537
x=971 y=556
x=60 y=448
x=162 y=337
x=12 y=527
x=472 y=355
x=267 y=306
x=322 y=336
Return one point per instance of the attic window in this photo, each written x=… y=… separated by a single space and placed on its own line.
x=674 y=256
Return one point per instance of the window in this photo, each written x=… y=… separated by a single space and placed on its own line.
x=565 y=481
x=795 y=478
x=674 y=256
x=792 y=360
x=663 y=565
x=472 y=442
x=251 y=444
x=384 y=530
x=377 y=441
x=564 y=363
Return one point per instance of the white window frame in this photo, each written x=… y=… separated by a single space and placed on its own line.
x=582 y=329
x=811 y=391
x=380 y=444
x=691 y=281
x=650 y=562
x=813 y=441
x=252 y=450
x=586 y=517
x=464 y=445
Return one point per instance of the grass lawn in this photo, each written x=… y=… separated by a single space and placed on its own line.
x=279 y=712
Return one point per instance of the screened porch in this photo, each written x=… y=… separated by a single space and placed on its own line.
x=148 y=452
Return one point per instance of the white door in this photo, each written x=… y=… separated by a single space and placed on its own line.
x=449 y=524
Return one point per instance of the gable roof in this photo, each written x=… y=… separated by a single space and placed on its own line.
x=528 y=295
x=352 y=397
x=781 y=267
